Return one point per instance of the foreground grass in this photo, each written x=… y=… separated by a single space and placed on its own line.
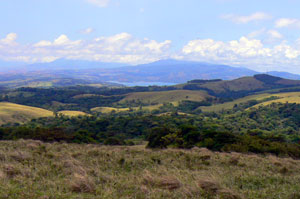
x=32 y=169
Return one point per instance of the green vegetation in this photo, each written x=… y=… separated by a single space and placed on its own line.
x=73 y=149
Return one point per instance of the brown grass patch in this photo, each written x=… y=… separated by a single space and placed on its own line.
x=82 y=184
x=164 y=182
x=234 y=160
x=20 y=156
x=228 y=194
x=209 y=185
x=72 y=166
x=11 y=171
x=2 y=175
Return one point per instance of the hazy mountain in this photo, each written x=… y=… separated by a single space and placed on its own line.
x=159 y=72
x=10 y=65
x=284 y=75
x=67 y=64
x=176 y=71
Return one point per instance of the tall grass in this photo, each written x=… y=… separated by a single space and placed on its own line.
x=32 y=169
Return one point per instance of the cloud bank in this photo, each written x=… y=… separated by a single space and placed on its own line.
x=247 y=51
x=258 y=16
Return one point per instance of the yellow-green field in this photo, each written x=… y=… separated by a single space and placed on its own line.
x=118 y=110
x=229 y=105
x=291 y=97
x=36 y=170
x=10 y=112
x=72 y=113
x=166 y=96
x=108 y=109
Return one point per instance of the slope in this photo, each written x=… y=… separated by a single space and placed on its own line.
x=14 y=113
x=165 y=96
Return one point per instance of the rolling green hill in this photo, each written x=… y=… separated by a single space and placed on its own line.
x=15 y=113
x=240 y=87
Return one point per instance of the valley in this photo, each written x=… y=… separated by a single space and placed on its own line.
x=203 y=138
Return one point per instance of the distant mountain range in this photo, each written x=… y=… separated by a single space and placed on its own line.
x=163 y=71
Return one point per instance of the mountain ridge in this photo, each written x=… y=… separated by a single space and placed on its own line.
x=163 y=71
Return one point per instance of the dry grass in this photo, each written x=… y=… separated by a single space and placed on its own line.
x=291 y=97
x=230 y=105
x=32 y=169
x=117 y=110
x=166 y=96
x=10 y=112
x=72 y=113
x=108 y=109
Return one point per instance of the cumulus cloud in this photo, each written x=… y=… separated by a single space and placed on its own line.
x=287 y=22
x=87 y=31
x=9 y=39
x=121 y=47
x=275 y=34
x=268 y=36
x=100 y=3
x=246 y=52
x=258 y=16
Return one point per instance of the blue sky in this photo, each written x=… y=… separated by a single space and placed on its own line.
x=262 y=35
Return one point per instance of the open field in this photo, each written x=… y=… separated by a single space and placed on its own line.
x=117 y=110
x=10 y=112
x=229 y=105
x=72 y=113
x=166 y=96
x=108 y=109
x=32 y=169
x=291 y=97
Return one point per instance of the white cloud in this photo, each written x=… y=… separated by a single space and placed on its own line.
x=9 y=39
x=100 y=3
x=267 y=36
x=247 y=52
x=121 y=47
x=287 y=22
x=87 y=31
x=258 y=16
x=275 y=34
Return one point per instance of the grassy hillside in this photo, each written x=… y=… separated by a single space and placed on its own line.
x=72 y=113
x=244 y=83
x=10 y=112
x=166 y=96
x=117 y=110
x=290 y=97
x=230 y=105
x=33 y=169
x=108 y=109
